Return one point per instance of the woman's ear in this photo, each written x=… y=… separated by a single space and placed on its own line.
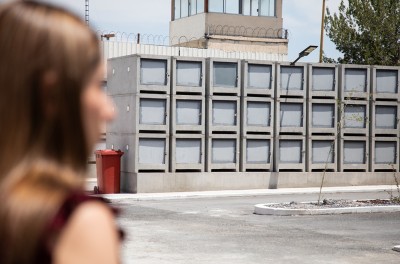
x=48 y=91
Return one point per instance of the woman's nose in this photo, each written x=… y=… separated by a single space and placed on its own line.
x=108 y=109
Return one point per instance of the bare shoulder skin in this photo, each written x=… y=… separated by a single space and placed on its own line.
x=89 y=237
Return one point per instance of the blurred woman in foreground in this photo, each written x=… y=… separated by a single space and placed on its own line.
x=51 y=109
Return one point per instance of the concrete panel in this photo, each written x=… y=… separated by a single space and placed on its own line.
x=291 y=116
x=142 y=152
x=384 y=154
x=189 y=73
x=385 y=118
x=257 y=115
x=223 y=114
x=385 y=83
x=152 y=111
x=258 y=78
x=256 y=153
x=290 y=153
x=125 y=120
x=323 y=81
x=322 y=153
x=354 y=81
x=224 y=77
x=355 y=115
x=152 y=151
x=119 y=79
x=188 y=114
x=187 y=153
x=188 y=76
x=153 y=72
x=135 y=74
x=291 y=80
x=322 y=116
x=223 y=152
x=354 y=153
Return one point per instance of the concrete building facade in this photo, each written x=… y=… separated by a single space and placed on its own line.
x=230 y=25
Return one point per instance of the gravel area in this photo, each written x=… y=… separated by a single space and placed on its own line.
x=331 y=203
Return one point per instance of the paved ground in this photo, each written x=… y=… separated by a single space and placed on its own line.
x=225 y=230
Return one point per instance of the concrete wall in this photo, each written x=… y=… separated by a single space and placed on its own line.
x=243 y=21
x=180 y=182
x=262 y=34
x=278 y=46
x=190 y=27
x=289 y=169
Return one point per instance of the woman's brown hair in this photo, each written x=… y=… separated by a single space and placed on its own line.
x=47 y=56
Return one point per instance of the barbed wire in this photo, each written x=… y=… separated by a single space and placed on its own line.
x=258 y=32
x=150 y=39
x=220 y=30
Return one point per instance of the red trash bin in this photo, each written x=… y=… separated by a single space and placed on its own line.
x=108 y=165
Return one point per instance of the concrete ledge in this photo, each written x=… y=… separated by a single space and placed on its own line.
x=216 y=181
x=126 y=197
x=264 y=209
x=90 y=183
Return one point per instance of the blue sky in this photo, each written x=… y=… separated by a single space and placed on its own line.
x=301 y=17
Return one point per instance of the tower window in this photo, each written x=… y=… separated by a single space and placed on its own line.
x=258 y=7
x=185 y=8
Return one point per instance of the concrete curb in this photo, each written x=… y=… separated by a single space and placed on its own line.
x=243 y=193
x=264 y=209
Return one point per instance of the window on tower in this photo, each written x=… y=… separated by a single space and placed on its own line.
x=185 y=8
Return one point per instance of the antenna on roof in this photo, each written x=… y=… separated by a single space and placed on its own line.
x=87 y=12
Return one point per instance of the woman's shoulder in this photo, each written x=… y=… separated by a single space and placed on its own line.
x=79 y=203
x=80 y=208
x=83 y=225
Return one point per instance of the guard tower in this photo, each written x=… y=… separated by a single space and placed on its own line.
x=229 y=25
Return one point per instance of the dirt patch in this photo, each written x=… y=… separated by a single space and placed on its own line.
x=335 y=204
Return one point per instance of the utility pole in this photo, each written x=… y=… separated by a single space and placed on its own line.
x=321 y=44
x=87 y=12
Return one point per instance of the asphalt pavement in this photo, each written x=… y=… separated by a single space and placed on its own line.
x=223 y=229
